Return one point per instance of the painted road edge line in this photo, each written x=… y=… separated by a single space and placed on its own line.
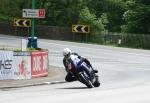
x=34 y=84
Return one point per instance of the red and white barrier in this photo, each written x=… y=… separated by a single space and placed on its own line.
x=23 y=65
x=39 y=64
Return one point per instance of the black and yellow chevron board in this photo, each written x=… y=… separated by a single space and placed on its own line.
x=80 y=28
x=22 y=22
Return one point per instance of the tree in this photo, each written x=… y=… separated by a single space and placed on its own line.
x=137 y=16
x=114 y=10
x=62 y=12
x=10 y=9
x=97 y=24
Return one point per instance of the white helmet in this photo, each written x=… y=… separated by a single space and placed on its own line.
x=66 y=51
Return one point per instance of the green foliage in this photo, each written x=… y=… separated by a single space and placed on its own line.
x=5 y=18
x=114 y=10
x=10 y=9
x=127 y=15
x=31 y=49
x=97 y=24
x=137 y=16
x=62 y=12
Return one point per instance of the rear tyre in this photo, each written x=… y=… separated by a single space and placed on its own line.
x=96 y=83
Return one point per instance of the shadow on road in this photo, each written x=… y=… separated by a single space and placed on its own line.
x=74 y=88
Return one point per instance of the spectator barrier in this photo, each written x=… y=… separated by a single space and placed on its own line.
x=23 y=64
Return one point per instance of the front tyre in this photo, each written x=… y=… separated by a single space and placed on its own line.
x=85 y=80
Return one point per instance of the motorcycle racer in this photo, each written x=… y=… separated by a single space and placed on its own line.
x=73 y=60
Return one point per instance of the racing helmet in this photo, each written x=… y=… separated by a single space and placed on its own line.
x=66 y=52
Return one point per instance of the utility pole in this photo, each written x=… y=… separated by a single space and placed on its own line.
x=33 y=24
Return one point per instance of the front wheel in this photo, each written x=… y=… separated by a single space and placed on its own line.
x=85 y=80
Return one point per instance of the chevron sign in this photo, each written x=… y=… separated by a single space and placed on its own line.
x=80 y=28
x=22 y=22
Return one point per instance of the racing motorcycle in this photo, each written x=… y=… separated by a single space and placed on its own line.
x=85 y=74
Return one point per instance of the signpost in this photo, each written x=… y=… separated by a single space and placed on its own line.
x=80 y=29
x=33 y=13
x=33 y=24
x=22 y=22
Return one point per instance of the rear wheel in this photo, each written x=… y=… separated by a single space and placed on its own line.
x=96 y=83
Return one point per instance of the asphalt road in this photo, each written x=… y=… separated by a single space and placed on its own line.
x=124 y=75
